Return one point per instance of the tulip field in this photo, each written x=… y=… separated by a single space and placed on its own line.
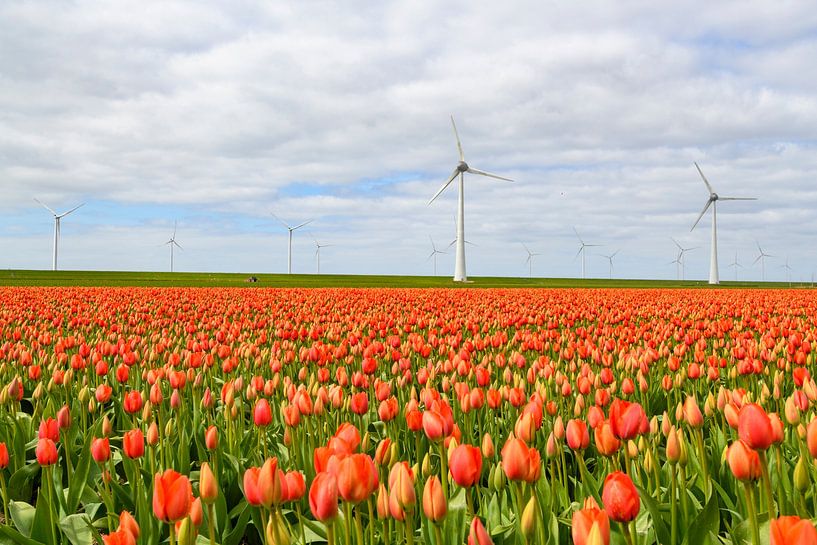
x=420 y=416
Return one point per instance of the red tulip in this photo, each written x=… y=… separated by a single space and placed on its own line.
x=211 y=438
x=792 y=531
x=754 y=427
x=49 y=429
x=359 y=403
x=46 y=452
x=323 y=497
x=626 y=419
x=133 y=402
x=100 y=450
x=128 y=523
x=465 y=465
x=520 y=462
x=578 y=438
x=620 y=497
x=251 y=491
x=4 y=456
x=119 y=537
x=133 y=443
x=296 y=487
x=172 y=496
x=262 y=414
x=477 y=534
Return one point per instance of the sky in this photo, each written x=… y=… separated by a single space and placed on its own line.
x=215 y=115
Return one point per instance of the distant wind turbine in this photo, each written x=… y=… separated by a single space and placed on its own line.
x=433 y=254
x=736 y=265
x=610 y=259
x=57 y=218
x=289 y=247
x=582 y=248
x=762 y=258
x=459 y=171
x=788 y=271
x=712 y=201
x=680 y=260
x=529 y=260
x=318 y=247
x=172 y=242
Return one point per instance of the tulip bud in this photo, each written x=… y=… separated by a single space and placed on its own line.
x=186 y=533
x=208 y=485
x=529 y=517
x=801 y=477
x=107 y=426
x=153 y=434
x=435 y=505
x=426 y=466
x=487 y=446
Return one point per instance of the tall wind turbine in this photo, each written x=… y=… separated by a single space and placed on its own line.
x=762 y=258
x=680 y=259
x=433 y=254
x=582 y=249
x=610 y=259
x=172 y=242
x=460 y=170
x=529 y=260
x=736 y=265
x=318 y=247
x=57 y=218
x=712 y=201
x=289 y=248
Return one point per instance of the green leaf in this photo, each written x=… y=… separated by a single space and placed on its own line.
x=22 y=514
x=591 y=486
x=77 y=529
x=234 y=537
x=79 y=478
x=21 y=481
x=43 y=526
x=704 y=529
x=16 y=536
x=658 y=523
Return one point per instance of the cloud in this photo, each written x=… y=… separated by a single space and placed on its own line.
x=218 y=114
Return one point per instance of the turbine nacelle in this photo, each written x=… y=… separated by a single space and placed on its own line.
x=462 y=166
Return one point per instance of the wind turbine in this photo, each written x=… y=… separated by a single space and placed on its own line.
x=712 y=201
x=581 y=249
x=318 y=247
x=788 y=271
x=57 y=218
x=610 y=259
x=460 y=170
x=762 y=258
x=172 y=242
x=680 y=259
x=529 y=260
x=433 y=254
x=289 y=248
x=735 y=265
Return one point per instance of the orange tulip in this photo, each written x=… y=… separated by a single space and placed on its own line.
x=477 y=534
x=435 y=505
x=127 y=522
x=133 y=443
x=172 y=496
x=208 y=486
x=792 y=531
x=465 y=465
x=357 y=478
x=119 y=537
x=578 y=438
x=626 y=419
x=583 y=522
x=743 y=461
x=262 y=414
x=46 y=452
x=520 y=462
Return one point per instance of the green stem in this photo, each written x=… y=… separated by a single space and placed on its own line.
x=750 y=506
x=347 y=523
x=330 y=532
x=5 y=498
x=438 y=534
x=673 y=505
x=211 y=523
x=444 y=469
x=767 y=483
x=358 y=527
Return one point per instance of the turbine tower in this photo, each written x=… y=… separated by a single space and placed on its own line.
x=581 y=249
x=289 y=248
x=459 y=171
x=529 y=260
x=736 y=265
x=318 y=247
x=610 y=259
x=680 y=259
x=433 y=254
x=762 y=258
x=172 y=242
x=713 y=201
x=57 y=218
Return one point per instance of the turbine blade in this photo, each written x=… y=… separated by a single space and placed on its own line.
x=429 y=256
x=446 y=184
x=737 y=198
x=578 y=236
x=304 y=223
x=178 y=245
x=525 y=247
x=471 y=243
x=757 y=259
x=676 y=243
x=709 y=187
x=706 y=207
x=457 y=136
x=66 y=213
x=45 y=206
x=483 y=173
x=614 y=254
x=577 y=253
x=174 y=229
x=282 y=222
